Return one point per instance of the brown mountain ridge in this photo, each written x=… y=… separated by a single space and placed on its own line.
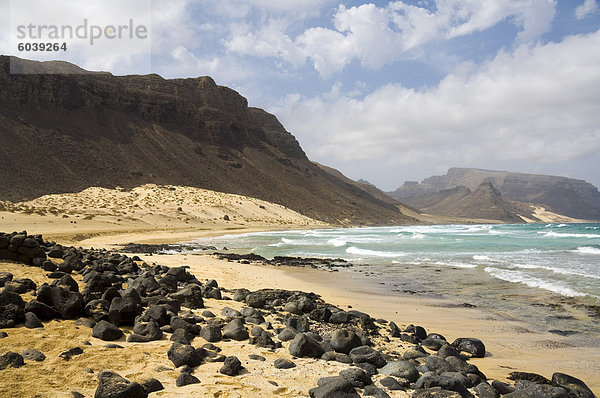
x=67 y=132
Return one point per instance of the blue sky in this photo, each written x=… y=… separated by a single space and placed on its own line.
x=390 y=91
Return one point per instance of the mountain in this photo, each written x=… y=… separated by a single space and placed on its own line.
x=485 y=202
x=66 y=132
x=570 y=197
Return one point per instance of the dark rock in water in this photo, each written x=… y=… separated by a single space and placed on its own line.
x=211 y=333
x=67 y=355
x=533 y=377
x=12 y=360
x=339 y=317
x=435 y=392
x=106 y=331
x=529 y=389
x=181 y=354
x=32 y=321
x=367 y=354
x=152 y=385
x=574 y=386
x=185 y=379
x=391 y=384
x=344 y=340
x=473 y=346
x=231 y=367
x=438 y=365
x=190 y=296
x=403 y=369
x=287 y=334
x=112 y=385
x=357 y=376
x=305 y=346
x=235 y=330
x=282 y=363
x=182 y=336
x=502 y=388
x=372 y=391
x=484 y=390
x=336 y=386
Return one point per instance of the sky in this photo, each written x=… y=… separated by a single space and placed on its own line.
x=386 y=91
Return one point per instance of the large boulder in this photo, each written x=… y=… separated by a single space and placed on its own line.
x=189 y=296
x=367 y=354
x=344 y=340
x=336 y=386
x=11 y=309
x=106 y=331
x=305 y=346
x=473 y=346
x=182 y=354
x=123 y=310
x=112 y=385
x=235 y=330
x=573 y=385
x=231 y=367
x=403 y=369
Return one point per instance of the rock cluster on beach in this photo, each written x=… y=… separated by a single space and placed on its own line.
x=167 y=303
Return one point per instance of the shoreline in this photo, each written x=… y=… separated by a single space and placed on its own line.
x=511 y=345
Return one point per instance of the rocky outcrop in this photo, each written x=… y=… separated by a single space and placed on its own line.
x=67 y=132
x=567 y=196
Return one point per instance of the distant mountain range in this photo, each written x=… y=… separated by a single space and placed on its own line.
x=67 y=132
x=500 y=195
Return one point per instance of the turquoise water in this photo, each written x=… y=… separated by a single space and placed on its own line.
x=513 y=268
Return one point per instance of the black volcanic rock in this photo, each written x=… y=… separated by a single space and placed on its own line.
x=96 y=129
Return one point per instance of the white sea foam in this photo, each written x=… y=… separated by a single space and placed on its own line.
x=456 y=264
x=587 y=250
x=520 y=277
x=337 y=242
x=553 y=234
x=481 y=258
x=417 y=235
x=373 y=253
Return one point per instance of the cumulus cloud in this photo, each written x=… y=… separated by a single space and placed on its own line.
x=537 y=103
x=377 y=35
x=588 y=7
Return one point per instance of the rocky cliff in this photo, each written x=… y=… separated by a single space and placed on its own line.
x=567 y=196
x=67 y=132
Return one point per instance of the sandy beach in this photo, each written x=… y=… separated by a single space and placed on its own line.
x=510 y=345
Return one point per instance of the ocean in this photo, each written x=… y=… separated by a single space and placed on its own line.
x=545 y=274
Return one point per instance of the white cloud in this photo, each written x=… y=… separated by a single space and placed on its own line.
x=538 y=103
x=588 y=7
x=379 y=35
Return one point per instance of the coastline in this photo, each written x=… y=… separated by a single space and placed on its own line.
x=511 y=345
